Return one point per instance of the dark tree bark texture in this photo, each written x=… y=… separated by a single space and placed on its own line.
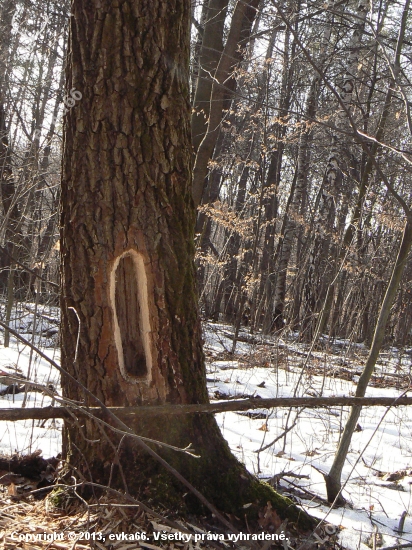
x=130 y=327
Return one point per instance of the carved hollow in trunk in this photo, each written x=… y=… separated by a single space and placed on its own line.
x=129 y=302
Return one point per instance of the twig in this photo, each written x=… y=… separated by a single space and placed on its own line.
x=406 y=545
x=402 y=522
x=277 y=439
x=13 y=259
x=114 y=492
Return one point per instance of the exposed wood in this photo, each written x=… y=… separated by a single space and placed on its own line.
x=221 y=406
x=129 y=301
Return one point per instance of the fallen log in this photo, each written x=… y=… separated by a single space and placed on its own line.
x=45 y=413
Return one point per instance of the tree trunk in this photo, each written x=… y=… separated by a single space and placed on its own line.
x=292 y=217
x=333 y=479
x=7 y=182
x=242 y=21
x=212 y=46
x=130 y=325
x=320 y=290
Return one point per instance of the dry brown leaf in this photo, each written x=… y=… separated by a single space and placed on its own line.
x=268 y=517
x=311 y=453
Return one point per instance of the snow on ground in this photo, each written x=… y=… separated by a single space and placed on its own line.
x=383 y=442
x=18 y=360
x=271 y=368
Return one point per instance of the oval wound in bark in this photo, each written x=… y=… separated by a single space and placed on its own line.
x=128 y=293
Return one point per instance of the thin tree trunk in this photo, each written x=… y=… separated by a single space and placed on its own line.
x=333 y=479
x=292 y=216
x=241 y=24
x=319 y=287
x=210 y=52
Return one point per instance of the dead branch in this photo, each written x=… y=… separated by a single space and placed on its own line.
x=218 y=407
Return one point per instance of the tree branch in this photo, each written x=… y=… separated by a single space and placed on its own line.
x=45 y=413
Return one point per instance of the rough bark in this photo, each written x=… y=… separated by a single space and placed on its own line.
x=127 y=222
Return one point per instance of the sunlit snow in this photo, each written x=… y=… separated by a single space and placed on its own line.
x=272 y=368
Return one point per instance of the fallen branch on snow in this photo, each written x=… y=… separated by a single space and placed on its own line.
x=221 y=406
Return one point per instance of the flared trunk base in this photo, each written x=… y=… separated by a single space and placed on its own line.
x=216 y=473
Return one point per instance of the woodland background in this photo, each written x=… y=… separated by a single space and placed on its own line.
x=301 y=135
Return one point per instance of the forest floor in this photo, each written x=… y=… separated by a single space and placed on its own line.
x=289 y=448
